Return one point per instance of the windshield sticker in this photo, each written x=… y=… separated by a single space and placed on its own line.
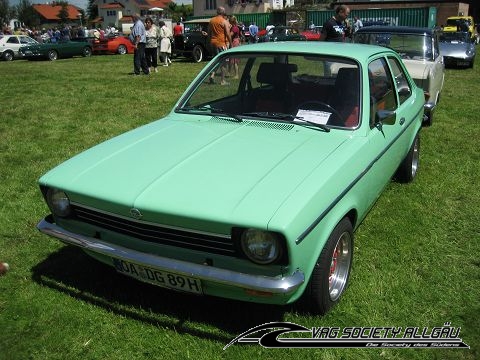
x=315 y=116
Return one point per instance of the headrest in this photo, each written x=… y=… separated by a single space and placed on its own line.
x=276 y=74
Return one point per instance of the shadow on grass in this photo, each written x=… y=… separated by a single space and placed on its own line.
x=76 y=274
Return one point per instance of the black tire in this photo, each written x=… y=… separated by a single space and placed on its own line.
x=87 y=51
x=52 y=55
x=122 y=49
x=332 y=271
x=407 y=170
x=198 y=53
x=8 y=55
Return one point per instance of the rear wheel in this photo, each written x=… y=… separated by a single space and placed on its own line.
x=87 y=51
x=332 y=271
x=198 y=53
x=122 y=49
x=408 y=168
x=52 y=55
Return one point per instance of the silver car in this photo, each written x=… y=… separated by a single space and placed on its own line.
x=420 y=52
x=457 y=48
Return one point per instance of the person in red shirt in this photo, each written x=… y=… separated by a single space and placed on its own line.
x=177 y=29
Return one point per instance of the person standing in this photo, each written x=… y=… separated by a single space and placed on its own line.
x=357 y=24
x=235 y=35
x=335 y=28
x=253 y=30
x=152 y=34
x=220 y=39
x=178 y=29
x=139 y=40
x=165 y=43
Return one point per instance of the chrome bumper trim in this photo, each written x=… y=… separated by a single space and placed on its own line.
x=284 y=285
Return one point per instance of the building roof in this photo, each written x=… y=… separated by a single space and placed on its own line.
x=50 y=11
x=114 y=5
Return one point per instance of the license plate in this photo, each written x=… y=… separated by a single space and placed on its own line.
x=158 y=277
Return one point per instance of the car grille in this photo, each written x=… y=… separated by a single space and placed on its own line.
x=158 y=234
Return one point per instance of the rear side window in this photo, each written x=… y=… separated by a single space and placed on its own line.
x=403 y=87
x=12 y=40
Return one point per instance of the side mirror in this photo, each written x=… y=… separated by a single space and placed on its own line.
x=386 y=117
x=404 y=91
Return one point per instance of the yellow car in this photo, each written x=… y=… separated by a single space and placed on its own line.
x=461 y=23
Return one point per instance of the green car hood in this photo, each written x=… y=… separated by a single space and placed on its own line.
x=199 y=168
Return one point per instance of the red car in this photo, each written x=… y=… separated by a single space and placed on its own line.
x=313 y=34
x=113 y=45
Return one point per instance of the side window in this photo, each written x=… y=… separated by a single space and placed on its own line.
x=382 y=90
x=403 y=87
x=12 y=40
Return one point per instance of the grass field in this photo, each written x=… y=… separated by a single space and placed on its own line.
x=417 y=254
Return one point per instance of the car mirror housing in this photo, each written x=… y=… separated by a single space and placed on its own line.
x=386 y=117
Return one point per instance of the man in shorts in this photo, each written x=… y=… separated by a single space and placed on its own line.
x=220 y=39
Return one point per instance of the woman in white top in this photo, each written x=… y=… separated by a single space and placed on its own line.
x=165 y=43
x=152 y=34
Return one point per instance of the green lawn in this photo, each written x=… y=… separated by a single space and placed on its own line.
x=417 y=254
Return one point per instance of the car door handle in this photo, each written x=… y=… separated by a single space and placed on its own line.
x=402 y=121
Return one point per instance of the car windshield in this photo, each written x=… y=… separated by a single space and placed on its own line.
x=409 y=46
x=195 y=27
x=454 y=37
x=279 y=87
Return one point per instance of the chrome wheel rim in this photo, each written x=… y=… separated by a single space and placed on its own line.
x=340 y=266
x=415 y=157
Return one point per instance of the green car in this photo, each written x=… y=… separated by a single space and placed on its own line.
x=55 y=50
x=252 y=186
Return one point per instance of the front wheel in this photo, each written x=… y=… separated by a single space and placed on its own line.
x=198 y=53
x=52 y=55
x=407 y=170
x=8 y=55
x=332 y=271
x=122 y=49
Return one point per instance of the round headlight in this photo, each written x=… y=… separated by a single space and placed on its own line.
x=58 y=202
x=262 y=247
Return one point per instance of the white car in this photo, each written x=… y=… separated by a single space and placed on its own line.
x=10 y=44
x=419 y=50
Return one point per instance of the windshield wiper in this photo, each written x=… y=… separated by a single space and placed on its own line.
x=212 y=110
x=299 y=120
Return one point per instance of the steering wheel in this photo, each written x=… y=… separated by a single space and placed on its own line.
x=320 y=105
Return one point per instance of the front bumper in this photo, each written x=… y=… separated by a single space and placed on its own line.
x=286 y=285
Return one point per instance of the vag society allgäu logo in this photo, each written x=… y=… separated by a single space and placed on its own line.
x=282 y=335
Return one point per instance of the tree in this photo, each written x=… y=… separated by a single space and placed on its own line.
x=92 y=9
x=63 y=13
x=26 y=14
x=5 y=12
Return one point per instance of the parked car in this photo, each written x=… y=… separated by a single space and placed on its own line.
x=54 y=50
x=462 y=23
x=420 y=52
x=249 y=190
x=10 y=46
x=193 y=43
x=457 y=49
x=282 y=33
x=313 y=34
x=113 y=45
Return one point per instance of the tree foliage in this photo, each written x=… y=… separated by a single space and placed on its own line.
x=5 y=12
x=63 y=13
x=92 y=9
x=26 y=14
